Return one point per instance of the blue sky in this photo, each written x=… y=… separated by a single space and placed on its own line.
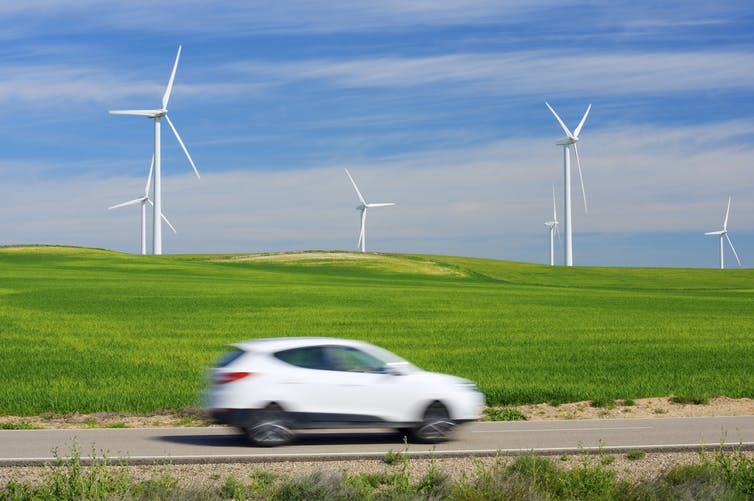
x=435 y=105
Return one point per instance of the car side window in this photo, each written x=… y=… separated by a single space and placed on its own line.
x=344 y=358
x=308 y=358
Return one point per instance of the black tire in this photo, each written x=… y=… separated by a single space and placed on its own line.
x=268 y=427
x=436 y=425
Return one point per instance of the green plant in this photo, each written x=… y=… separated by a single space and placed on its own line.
x=392 y=457
x=690 y=399
x=504 y=414
x=603 y=403
x=233 y=489
x=18 y=425
x=434 y=483
x=636 y=454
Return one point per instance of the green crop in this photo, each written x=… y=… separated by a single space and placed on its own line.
x=90 y=330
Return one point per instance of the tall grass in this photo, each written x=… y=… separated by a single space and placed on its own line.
x=89 y=330
x=723 y=476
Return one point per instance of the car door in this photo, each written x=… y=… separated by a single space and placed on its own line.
x=364 y=386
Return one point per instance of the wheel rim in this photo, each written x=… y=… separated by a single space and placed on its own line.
x=270 y=433
x=436 y=430
x=437 y=424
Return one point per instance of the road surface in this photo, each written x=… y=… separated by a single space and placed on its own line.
x=220 y=444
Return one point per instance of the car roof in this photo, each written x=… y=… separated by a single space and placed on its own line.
x=274 y=344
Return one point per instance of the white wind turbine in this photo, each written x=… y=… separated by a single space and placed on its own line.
x=724 y=233
x=553 y=228
x=571 y=138
x=157 y=115
x=363 y=208
x=144 y=200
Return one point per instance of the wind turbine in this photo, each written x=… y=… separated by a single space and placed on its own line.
x=157 y=115
x=724 y=233
x=553 y=227
x=144 y=201
x=363 y=208
x=571 y=138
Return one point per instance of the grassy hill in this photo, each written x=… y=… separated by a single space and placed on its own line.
x=92 y=330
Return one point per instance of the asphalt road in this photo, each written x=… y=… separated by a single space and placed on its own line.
x=220 y=444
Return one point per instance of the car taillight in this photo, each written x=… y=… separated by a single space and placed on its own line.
x=229 y=377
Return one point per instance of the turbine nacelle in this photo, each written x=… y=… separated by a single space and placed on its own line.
x=566 y=141
x=141 y=113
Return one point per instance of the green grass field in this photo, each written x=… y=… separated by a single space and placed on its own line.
x=91 y=330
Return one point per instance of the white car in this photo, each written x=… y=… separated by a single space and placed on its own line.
x=270 y=387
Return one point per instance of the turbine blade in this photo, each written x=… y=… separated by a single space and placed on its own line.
x=562 y=125
x=727 y=211
x=183 y=146
x=581 y=178
x=358 y=193
x=149 y=177
x=130 y=202
x=379 y=205
x=168 y=222
x=140 y=113
x=733 y=249
x=361 y=230
x=715 y=232
x=169 y=89
x=557 y=233
x=583 y=120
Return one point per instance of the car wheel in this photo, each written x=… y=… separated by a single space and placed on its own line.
x=436 y=425
x=268 y=427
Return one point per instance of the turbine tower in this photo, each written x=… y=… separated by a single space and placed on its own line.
x=552 y=225
x=724 y=234
x=157 y=115
x=571 y=138
x=363 y=208
x=144 y=201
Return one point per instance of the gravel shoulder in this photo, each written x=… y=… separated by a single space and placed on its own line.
x=651 y=465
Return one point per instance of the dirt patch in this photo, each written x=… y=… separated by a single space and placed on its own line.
x=641 y=408
x=304 y=256
x=384 y=262
x=177 y=418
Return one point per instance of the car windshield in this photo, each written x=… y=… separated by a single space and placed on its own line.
x=391 y=360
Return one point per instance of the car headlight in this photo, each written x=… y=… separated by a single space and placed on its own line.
x=469 y=386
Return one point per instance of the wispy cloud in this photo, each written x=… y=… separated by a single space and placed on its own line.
x=531 y=72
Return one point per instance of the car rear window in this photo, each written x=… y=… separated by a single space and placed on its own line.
x=229 y=357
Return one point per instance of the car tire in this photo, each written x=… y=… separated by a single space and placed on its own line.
x=268 y=427
x=436 y=425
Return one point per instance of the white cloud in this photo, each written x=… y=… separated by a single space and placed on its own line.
x=488 y=201
x=532 y=72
